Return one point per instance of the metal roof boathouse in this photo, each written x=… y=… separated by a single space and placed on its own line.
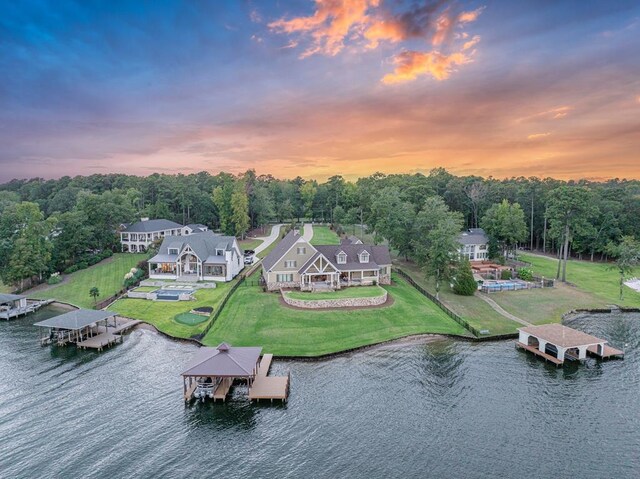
x=555 y=343
x=212 y=372
x=86 y=328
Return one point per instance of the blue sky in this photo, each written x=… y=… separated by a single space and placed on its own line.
x=320 y=88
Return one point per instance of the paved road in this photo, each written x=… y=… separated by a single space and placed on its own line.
x=308 y=231
x=267 y=240
x=501 y=311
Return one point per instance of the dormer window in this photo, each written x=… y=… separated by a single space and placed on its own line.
x=364 y=257
x=219 y=252
x=342 y=257
x=173 y=250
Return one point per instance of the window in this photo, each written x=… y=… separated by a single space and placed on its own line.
x=290 y=264
x=483 y=247
x=284 y=278
x=364 y=257
x=302 y=250
x=173 y=250
x=342 y=258
x=219 y=252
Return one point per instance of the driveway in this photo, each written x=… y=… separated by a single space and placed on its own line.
x=267 y=240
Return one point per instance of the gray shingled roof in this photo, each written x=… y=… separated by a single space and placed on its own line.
x=351 y=239
x=6 y=298
x=473 y=236
x=197 y=226
x=204 y=245
x=378 y=256
x=281 y=248
x=77 y=319
x=224 y=361
x=150 y=226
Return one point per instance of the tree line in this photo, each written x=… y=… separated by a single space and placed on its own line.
x=47 y=225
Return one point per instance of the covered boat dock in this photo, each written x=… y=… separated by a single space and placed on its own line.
x=556 y=343
x=86 y=328
x=212 y=371
x=15 y=305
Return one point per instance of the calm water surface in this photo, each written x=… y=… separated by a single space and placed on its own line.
x=447 y=408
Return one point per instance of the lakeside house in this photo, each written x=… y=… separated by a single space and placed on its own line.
x=296 y=263
x=137 y=237
x=474 y=244
x=204 y=256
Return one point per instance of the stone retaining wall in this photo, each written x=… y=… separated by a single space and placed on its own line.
x=334 y=303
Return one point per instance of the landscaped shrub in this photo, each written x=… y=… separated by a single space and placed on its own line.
x=71 y=269
x=463 y=283
x=133 y=277
x=54 y=279
x=82 y=265
x=525 y=274
x=505 y=274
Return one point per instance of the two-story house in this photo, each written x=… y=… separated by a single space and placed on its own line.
x=295 y=263
x=474 y=244
x=137 y=237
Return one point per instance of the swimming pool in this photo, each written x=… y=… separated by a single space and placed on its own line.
x=167 y=294
x=494 y=286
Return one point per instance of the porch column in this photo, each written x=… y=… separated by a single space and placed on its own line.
x=561 y=352
x=542 y=344
x=582 y=352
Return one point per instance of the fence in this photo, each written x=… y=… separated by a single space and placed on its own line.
x=221 y=306
x=462 y=322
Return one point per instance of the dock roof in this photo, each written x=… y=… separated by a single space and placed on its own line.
x=562 y=336
x=224 y=361
x=77 y=319
x=10 y=297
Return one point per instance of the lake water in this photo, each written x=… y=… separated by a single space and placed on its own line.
x=447 y=408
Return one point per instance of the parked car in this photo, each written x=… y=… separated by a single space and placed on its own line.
x=249 y=256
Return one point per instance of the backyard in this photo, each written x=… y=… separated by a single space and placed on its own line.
x=107 y=276
x=323 y=235
x=162 y=314
x=253 y=317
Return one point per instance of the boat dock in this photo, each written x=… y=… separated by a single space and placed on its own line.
x=107 y=335
x=556 y=343
x=269 y=387
x=212 y=372
x=15 y=305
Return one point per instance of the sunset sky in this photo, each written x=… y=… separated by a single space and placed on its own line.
x=318 y=88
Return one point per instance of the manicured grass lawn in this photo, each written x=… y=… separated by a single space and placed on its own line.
x=255 y=318
x=323 y=235
x=472 y=308
x=596 y=279
x=107 y=276
x=353 y=292
x=162 y=314
x=249 y=244
x=4 y=288
x=145 y=289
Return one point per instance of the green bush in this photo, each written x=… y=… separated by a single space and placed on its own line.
x=71 y=269
x=82 y=265
x=54 y=279
x=525 y=274
x=463 y=283
x=505 y=274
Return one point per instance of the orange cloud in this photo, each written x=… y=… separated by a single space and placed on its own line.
x=471 y=43
x=411 y=64
x=537 y=136
x=448 y=21
x=329 y=25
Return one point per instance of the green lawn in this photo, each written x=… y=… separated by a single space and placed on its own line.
x=253 y=317
x=162 y=314
x=353 y=292
x=191 y=319
x=596 y=279
x=322 y=235
x=107 y=276
x=249 y=244
x=4 y=288
x=472 y=308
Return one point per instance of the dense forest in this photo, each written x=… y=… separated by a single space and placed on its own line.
x=47 y=225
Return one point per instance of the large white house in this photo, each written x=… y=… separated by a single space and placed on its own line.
x=474 y=244
x=203 y=256
x=137 y=237
x=296 y=263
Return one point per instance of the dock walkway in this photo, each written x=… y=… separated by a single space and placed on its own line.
x=536 y=351
x=100 y=341
x=269 y=387
x=608 y=352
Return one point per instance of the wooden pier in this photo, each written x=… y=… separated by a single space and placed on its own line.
x=14 y=305
x=269 y=387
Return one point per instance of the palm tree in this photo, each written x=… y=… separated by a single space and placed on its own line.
x=94 y=293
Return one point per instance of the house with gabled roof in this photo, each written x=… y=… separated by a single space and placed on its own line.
x=137 y=237
x=474 y=244
x=296 y=263
x=204 y=256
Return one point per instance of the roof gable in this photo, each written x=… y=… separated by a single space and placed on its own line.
x=292 y=238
